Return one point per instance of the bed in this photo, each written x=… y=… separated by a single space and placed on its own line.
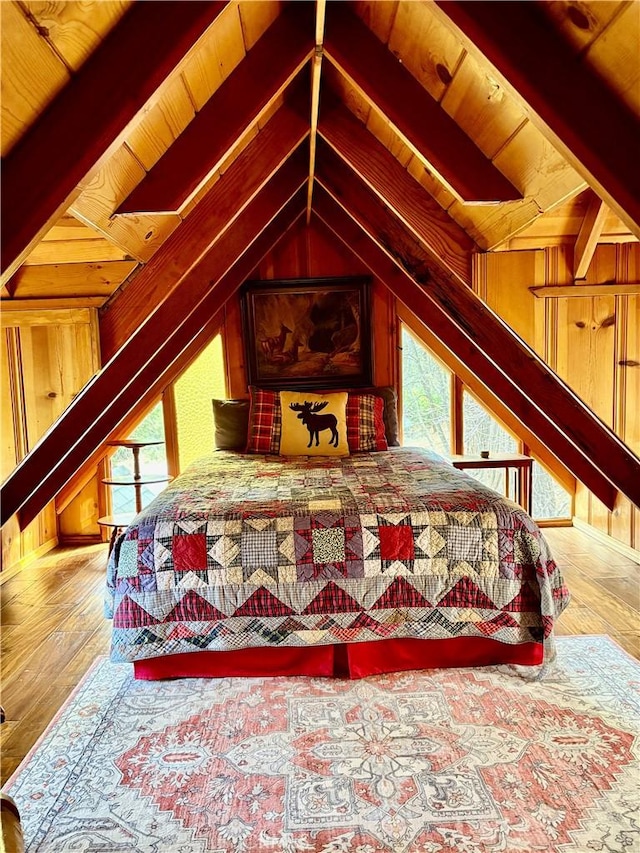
x=254 y=564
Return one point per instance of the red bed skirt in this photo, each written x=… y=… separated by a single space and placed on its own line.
x=352 y=660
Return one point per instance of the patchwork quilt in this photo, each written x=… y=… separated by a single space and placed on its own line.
x=256 y=550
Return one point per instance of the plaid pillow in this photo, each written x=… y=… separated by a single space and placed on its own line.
x=365 y=423
x=265 y=421
x=364 y=416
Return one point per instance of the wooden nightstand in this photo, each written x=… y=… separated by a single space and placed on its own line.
x=523 y=465
x=138 y=480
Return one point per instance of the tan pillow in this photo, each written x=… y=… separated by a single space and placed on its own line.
x=316 y=426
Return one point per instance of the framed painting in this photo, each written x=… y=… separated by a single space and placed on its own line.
x=307 y=333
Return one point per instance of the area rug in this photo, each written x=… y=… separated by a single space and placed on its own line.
x=414 y=762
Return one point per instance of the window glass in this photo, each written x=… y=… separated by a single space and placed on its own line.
x=426 y=398
x=197 y=386
x=482 y=432
x=153 y=460
x=550 y=500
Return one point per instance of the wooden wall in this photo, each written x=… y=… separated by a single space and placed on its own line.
x=591 y=341
x=314 y=253
x=47 y=356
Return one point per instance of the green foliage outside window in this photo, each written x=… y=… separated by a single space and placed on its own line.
x=153 y=460
x=426 y=419
x=426 y=398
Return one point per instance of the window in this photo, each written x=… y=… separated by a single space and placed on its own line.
x=200 y=383
x=482 y=432
x=550 y=500
x=153 y=460
x=427 y=389
x=426 y=398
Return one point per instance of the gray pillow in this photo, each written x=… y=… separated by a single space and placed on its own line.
x=231 y=423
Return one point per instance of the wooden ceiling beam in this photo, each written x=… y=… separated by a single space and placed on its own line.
x=402 y=284
x=588 y=236
x=563 y=96
x=41 y=176
x=88 y=470
x=562 y=291
x=70 y=280
x=441 y=235
x=233 y=108
x=201 y=229
x=487 y=397
x=316 y=75
x=415 y=115
x=600 y=445
x=112 y=393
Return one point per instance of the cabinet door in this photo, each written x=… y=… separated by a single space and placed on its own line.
x=44 y=365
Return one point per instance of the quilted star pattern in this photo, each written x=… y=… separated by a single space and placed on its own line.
x=252 y=551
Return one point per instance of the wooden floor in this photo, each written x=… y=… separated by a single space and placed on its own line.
x=53 y=625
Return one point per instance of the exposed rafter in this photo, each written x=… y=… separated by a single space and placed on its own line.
x=545 y=389
x=567 y=99
x=88 y=469
x=86 y=121
x=464 y=375
x=402 y=283
x=587 y=240
x=204 y=226
x=105 y=400
x=316 y=73
x=244 y=96
x=439 y=233
x=417 y=117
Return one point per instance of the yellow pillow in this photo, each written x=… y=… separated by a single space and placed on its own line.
x=313 y=424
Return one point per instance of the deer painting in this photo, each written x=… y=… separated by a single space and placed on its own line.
x=274 y=345
x=315 y=423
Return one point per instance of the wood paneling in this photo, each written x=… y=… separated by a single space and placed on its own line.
x=70 y=279
x=312 y=251
x=85 y=424
x=592 y=341
x=45 y=361
x=461 y=341
x=74 y=29
x=383 y=173
x=414 y=114
x=42 y=175
x=230 y=111
x=567 y=100
x=32 y=74
x=598 y=446
x=204 y=227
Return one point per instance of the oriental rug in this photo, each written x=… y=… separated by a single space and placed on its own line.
x=415 y=762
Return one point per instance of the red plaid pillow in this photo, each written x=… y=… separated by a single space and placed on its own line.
x=365 y=423
x=265 y=421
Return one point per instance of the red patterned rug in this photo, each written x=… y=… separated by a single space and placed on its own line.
x=416 y=762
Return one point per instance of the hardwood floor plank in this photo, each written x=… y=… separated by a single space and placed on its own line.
x=615 y=611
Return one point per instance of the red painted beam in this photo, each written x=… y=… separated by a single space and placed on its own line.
x=201 y=229
x=563 y=95
x=87 y=119
x=547 y=391
x=386 y=83
x=440 y=234
x=405 y=288
x=205 y=143
x=88 y=468
x=105 y=400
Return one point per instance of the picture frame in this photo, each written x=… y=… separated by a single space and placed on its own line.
x=307 y=333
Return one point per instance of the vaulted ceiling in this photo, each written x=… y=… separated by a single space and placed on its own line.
x=153 y=152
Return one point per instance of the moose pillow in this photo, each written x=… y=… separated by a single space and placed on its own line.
x=313 y=424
